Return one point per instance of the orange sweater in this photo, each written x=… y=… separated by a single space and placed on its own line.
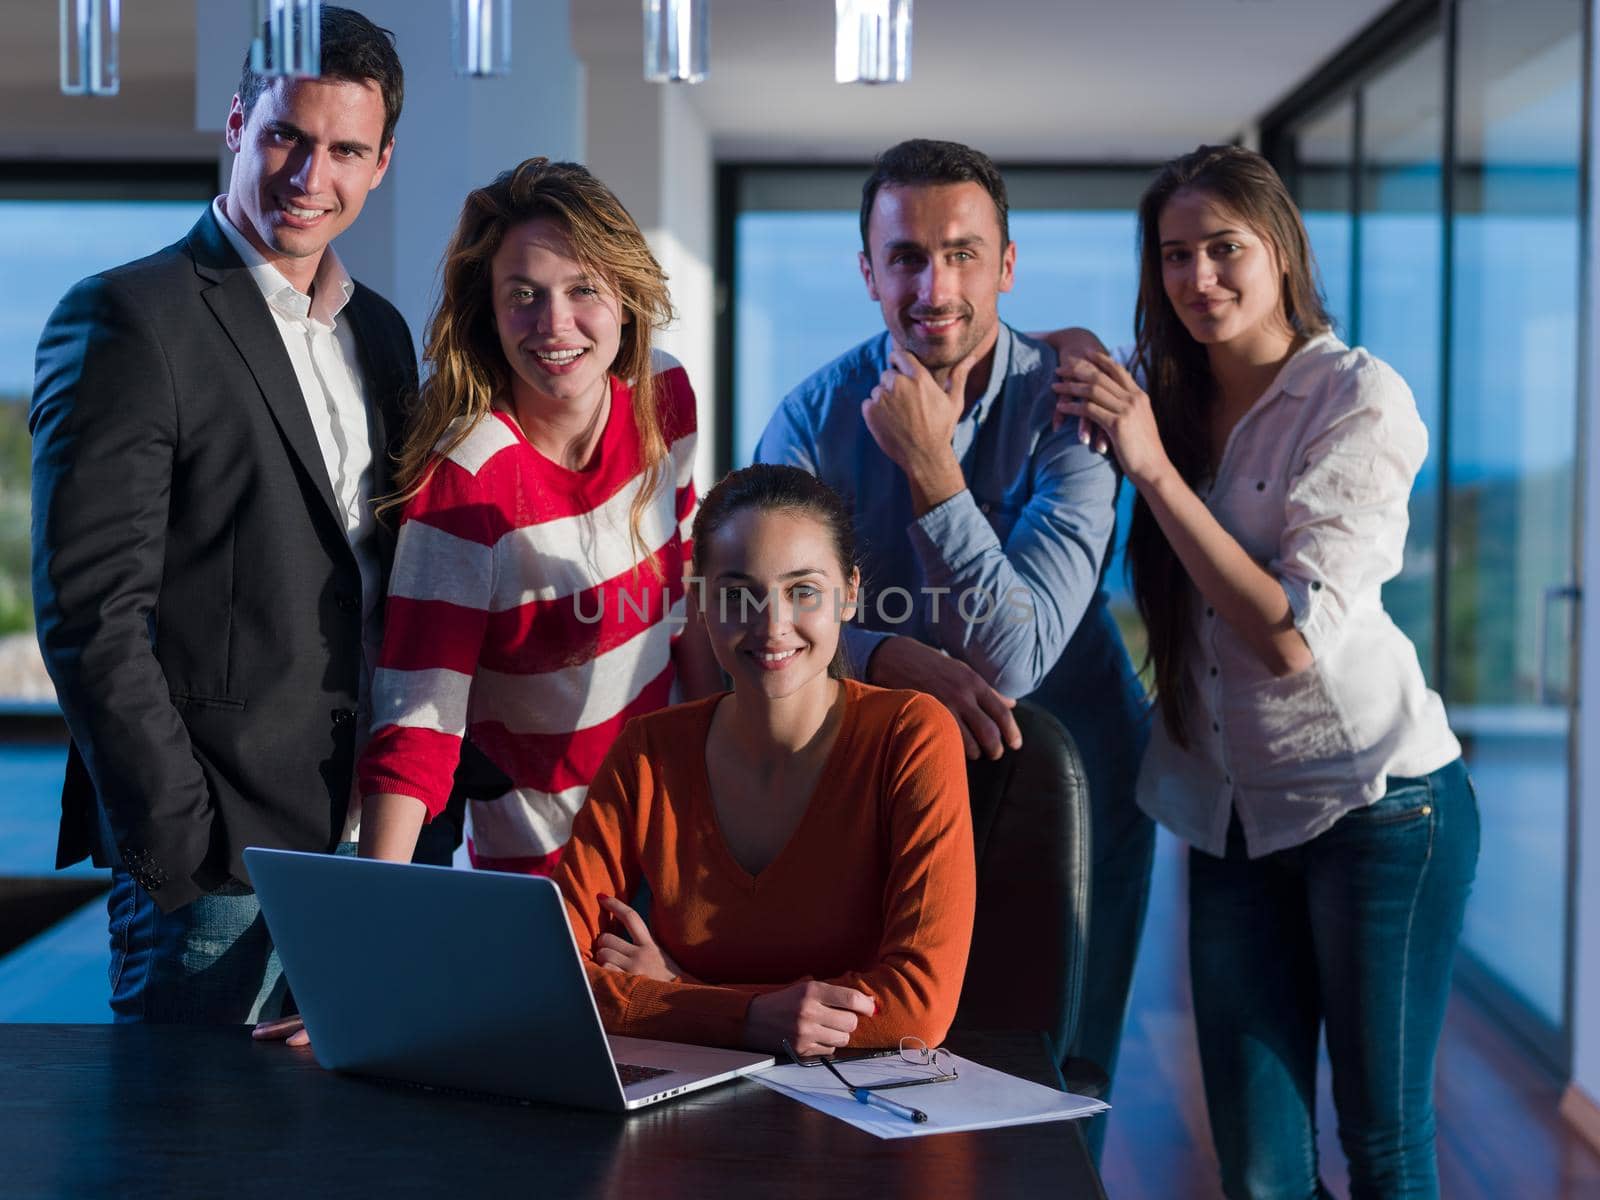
x=874 y=890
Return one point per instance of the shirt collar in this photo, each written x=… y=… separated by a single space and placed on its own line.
x=331 y=288
x=997 y=376
x=1297 y=376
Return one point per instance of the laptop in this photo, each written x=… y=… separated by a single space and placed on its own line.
x=468 y=980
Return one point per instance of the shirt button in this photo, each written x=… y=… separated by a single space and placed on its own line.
x=1261 y=486
x=1210 y=612
x=1316 y=585
x=1213 y=672
x=984 y=508
x=1215 y=728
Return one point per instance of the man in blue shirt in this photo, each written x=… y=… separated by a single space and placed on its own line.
x=982 y=528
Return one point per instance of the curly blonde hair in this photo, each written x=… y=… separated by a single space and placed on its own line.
x=464 y=363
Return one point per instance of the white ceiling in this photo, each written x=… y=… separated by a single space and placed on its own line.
x=152 y=117
x=1023 y=79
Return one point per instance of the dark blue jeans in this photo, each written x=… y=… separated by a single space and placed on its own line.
x=211 y=962
x=1352 y=932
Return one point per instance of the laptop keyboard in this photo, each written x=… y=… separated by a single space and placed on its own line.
x=632 y=1073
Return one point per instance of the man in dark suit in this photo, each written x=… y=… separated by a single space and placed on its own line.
x=210 y=427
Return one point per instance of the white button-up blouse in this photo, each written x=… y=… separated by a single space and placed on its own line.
x=1314 y=483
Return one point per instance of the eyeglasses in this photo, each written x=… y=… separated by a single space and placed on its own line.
x=916 y=1052
x=913 y=1051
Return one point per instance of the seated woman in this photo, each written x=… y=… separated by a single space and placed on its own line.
x=805 y=838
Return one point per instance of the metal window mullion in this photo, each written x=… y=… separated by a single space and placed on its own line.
x=1449 y=30
x=1358 y=120
x=1580 y=475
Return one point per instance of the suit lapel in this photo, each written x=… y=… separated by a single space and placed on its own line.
x=387 y=374
x=237 y=304
x=381 y=389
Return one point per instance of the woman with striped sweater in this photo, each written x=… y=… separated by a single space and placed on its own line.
x=538 y=597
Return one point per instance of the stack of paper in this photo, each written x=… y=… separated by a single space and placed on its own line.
x=981 y=1098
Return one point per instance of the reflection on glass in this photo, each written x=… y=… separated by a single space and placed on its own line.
x=1325 y=185
x=1398 y=275
x=1513 y=419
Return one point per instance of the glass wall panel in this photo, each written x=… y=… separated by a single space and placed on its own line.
x=1325 y=183
x=1514 y=354
x=1400 y=248
x=47 y=245
x=800 y=302
x=1488 y=341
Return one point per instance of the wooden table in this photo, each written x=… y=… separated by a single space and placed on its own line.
x=131 y=1110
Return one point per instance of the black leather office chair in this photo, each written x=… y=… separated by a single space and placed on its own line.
x=1030 y=825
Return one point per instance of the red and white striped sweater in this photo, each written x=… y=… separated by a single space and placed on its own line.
x=516 y=615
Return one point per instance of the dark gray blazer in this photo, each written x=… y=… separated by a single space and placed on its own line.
x=198 y=604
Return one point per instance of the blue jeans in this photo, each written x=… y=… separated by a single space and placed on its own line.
x=211 y=962
x=1354 y=932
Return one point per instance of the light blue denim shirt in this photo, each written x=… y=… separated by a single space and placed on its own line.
x=999 y=575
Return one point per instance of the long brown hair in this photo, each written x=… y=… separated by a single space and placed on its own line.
x=468 y=367
x=1182 y=391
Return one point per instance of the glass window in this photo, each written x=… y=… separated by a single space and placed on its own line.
x=800 y=302
x=1325 y=183
x=1399 y=260
x=1513 y=434
x=1488 y=339
x=46 y=245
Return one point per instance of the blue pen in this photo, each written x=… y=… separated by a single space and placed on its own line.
x=869 y=1097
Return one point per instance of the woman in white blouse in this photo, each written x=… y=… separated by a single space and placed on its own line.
x=1299 y=751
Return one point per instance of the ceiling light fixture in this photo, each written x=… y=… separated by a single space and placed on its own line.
x=872 y=41
x=288 y=41
x=90 y=31
x=677 y=40
x=481 y=32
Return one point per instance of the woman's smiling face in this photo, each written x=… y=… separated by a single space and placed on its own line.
x=776 y=600
x=1221 y=276
x=560 y=327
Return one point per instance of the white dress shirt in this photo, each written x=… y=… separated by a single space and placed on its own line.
x=323 y=352
x=1314 y=483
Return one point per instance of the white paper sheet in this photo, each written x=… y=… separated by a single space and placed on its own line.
x=982 y=1098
